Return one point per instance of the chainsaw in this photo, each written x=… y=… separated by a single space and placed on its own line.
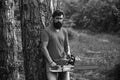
x=64 y=65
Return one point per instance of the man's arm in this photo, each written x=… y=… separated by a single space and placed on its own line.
x=46 y=53
x=44 y=43
x=69 y=50
x=66 y=44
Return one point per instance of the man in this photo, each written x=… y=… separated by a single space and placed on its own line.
x=55 y=46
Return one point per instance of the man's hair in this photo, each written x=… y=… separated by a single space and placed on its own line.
x=57 y=13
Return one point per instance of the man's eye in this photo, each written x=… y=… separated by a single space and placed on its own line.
x=59 y=18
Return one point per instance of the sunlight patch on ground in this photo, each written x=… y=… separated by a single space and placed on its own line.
x=91 y=51
x=77 y=58
x=82 y=34
x=104 y=40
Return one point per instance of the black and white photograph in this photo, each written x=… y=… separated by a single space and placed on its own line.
x=59 y=39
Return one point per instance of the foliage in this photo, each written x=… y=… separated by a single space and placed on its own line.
x=96 y=15
x=96 y=50
x=72 y=34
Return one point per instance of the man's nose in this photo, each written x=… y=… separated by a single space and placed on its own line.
x=59 y=20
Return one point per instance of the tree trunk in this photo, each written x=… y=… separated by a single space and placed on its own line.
x=36 y=15
x=3 y=52
x=21 y=22
x=11 y=43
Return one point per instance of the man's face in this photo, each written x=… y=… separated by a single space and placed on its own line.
x=58 y=21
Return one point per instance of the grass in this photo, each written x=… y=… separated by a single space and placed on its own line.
x=96 y=54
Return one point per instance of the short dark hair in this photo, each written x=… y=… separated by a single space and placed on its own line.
x=57 y=13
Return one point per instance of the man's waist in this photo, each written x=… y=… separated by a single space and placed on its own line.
x=61 y=61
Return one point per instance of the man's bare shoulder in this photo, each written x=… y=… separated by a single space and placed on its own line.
x=64 y=29
x=44 y=35
x=46 y=29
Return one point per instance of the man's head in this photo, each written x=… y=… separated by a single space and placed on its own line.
x=58 y=17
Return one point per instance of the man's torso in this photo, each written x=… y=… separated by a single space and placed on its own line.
x=56 y=43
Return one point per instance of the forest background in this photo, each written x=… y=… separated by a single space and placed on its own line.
x=93 y=27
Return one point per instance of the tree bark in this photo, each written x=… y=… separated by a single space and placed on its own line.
x=36 y=15
x=11 y=40
x=21 y=22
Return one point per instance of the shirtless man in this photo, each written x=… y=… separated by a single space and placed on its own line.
x=55 y=46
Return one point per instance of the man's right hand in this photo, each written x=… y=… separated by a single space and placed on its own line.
x=54 y=66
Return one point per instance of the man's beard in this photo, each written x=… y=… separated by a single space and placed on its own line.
x=57 y=25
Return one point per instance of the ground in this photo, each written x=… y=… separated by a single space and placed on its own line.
x=96 y=55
